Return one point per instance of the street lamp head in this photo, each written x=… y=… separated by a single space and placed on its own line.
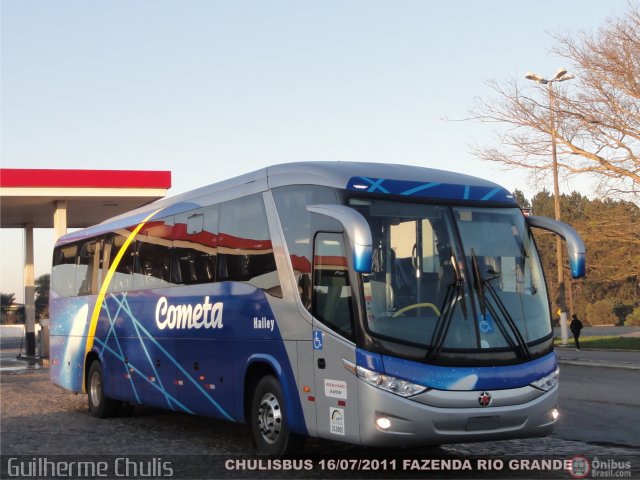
x=566 y=77
x=560 y=76
x=535 y=77
x=560 y=73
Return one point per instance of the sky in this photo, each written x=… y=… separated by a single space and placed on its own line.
x=213 y=89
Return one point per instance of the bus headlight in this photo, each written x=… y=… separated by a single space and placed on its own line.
x=548 y=382
x=389 y=383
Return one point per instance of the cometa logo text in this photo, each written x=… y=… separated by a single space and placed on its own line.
x=188 y=316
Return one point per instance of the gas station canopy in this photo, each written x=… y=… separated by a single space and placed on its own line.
x=32 y=197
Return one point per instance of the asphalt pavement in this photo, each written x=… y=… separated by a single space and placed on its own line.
x=627 y=359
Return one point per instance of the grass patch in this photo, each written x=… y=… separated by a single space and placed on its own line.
x=622 y=343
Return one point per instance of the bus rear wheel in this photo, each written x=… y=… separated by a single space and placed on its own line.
x=99 y=405
x=268 y=420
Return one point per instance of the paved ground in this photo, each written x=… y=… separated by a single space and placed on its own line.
x=600 y=405
x=599 y=358
x=40 y=418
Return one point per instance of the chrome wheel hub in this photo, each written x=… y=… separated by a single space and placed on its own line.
x=95 y=387
x=269 y=418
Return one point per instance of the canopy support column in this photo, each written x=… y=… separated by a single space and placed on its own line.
x=29 y=292
x=60 y=218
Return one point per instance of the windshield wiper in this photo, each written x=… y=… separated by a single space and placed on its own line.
x=455 y=293
x=480 y=285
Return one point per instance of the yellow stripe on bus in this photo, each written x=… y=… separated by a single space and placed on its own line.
x=103 y=291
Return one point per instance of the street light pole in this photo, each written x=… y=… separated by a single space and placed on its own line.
x=560 y=76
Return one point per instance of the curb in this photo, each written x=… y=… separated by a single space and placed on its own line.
x=590 y=349
x=597 y=363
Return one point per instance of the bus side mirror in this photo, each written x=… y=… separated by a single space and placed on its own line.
x=575 y=245
x=357 y=230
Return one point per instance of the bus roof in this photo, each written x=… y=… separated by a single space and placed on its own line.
x=379 y=178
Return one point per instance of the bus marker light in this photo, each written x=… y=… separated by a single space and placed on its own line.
x=306 y=389
x=201 y=377
x=179 y=382
x=311 y=398
x=342 y=403
x=383 y=423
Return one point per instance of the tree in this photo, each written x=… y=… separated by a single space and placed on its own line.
x=7 y=299
x=601 y=313
x=7 y=314
x=634 y=318
x=521 y=199
x=597 y=117
x=610 y=231
x=41 y=289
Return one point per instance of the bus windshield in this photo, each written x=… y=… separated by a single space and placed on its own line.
x=453 y=277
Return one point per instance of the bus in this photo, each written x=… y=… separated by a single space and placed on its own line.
x=372 y=304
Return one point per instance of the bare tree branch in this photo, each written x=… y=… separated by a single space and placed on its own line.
x=597 y=117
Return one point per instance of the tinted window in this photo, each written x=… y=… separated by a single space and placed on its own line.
x=245 y=253
x=331 y=291
x=88 y=268
x=195 y=246
x=152 y=260
x=122 y=279
x=64 y=267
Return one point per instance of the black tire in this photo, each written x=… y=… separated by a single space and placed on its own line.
x=99 y=405
x=269 y=427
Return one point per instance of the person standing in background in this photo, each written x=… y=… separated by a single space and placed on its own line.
x=576 y=327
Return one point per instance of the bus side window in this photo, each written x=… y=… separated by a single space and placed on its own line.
x=245 y=253
x=152 y=259
x=63 y=274
x=195 y=245
x=122 y=279
x=331 y=291
x=88 y=268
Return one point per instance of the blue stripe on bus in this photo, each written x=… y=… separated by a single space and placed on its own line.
x=435 y=190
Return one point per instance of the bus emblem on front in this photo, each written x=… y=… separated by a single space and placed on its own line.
x=484 y=399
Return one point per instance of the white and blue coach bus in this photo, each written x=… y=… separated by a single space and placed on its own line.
x=373 y=304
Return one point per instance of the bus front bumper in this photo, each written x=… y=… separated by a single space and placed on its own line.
x=413 y=423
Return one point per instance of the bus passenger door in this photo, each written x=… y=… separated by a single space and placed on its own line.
x=333 y=333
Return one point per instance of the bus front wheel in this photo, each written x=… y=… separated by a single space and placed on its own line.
x=99 y=405
x=268 y=420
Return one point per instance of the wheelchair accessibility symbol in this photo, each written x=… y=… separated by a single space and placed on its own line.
x=486 y=324
x=317 y=340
